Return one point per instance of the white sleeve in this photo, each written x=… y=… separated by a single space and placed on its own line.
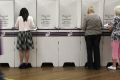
x=33 y=27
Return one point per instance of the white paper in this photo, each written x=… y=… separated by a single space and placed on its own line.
x=69 y=13
x=47 y=13
x=106 y=26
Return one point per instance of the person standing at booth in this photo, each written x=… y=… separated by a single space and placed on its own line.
x=92 y=26
x=24 y=39
x=114 y=26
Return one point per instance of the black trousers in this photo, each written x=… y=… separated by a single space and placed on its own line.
x=93 y=51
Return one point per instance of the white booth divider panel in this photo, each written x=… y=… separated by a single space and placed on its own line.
x=70 y=11
x=83 y=55
x=79 y=13
x=29 y=4
x=69 y=50
x=47 y=50
x=106 y=55
x=33 y=55
x=6 y=14
x=47 y=13
x=8 y=51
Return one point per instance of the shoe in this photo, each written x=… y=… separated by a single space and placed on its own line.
x=88 y=66
x=28 y=65
x=110 y=64
x=112 y=67
x=118 y=67
x=22 y=66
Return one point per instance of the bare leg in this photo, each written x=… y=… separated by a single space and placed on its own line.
x=27 y=55
x=21 y=56
x=114 y=62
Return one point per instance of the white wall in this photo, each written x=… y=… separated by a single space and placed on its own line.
x=106 y=55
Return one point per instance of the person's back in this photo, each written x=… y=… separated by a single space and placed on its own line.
x=24 y=25
x=93 y=25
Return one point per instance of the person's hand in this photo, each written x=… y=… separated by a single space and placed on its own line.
x=110 y=29
x=34 y=29
x=106 y=26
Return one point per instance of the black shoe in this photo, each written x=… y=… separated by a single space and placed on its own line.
x=22 y=66
x=28 y=65
x=88 y=66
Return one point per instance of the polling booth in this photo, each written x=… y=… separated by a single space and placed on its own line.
x=70 y=19
x=59 y=38
x=47 y=22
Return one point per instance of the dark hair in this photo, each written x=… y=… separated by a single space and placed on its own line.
x=24 y=13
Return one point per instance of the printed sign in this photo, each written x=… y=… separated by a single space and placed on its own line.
x=6 y=14
x=69 y=13
x=47 y=13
